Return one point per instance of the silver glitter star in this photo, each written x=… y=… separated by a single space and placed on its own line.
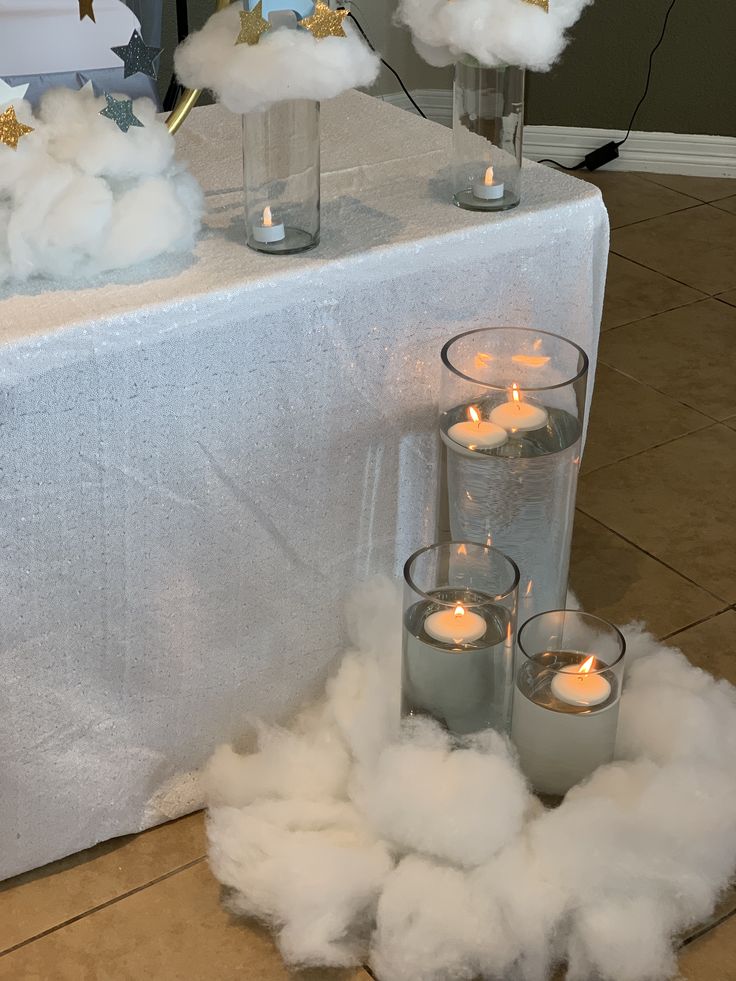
x=137 y=56
x=121 y=113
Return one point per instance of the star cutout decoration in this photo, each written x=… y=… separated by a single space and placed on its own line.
x=121 y=113
x=137 y=56
x=325 y=22
x=86 y=10
x=11 y=93
x=11 y=130
x=252 y=25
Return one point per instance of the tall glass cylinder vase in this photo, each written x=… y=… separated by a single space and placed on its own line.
x=282 y=177
x=458 y=639
x=487 y=127
x=512 y=419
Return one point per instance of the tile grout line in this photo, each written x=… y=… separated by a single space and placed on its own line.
x=705 y=296
x=665 y=214
x=705 y=930
x=695 y=623
x=651 y=555
x=645 y=176
x=679 y=306
x=101 y=906
x=659 y=390
x=654 y=446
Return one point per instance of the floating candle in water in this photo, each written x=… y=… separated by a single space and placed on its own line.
x=487 y=188
x=575 y=685
x=458 y=626
x=517 y=415
x=268 y=230
x=477 y=433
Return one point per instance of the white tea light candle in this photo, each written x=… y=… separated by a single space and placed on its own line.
x=477 y=433
x=268 y=231
x=518 y=416
x=458 y=626
x=487 y=189
x=577 y=686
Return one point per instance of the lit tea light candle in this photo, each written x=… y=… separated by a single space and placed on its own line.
x=487 y=188
x=268 y=230
x=458 y=626
x=517 y=415
x=576 y=686
x=477 y=433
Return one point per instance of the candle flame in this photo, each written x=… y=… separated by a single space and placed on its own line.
x=488 y=179
x=459 y=611
x=474 y=414
x=586 y=665
x=515 y=393
x=267 y=217
x=462 y=550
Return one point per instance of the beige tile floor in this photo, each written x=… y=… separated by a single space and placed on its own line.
x=655 y=539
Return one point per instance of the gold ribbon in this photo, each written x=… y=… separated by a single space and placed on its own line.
x=189 y=97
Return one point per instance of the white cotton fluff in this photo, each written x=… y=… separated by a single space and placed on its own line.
x=495 y=32
x=489 y=884
x=307 y=868
x=309 y=766
x=459 y=805
x=78 y=197
x=285 y=64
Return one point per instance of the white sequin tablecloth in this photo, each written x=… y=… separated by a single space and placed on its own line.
x=200 y=457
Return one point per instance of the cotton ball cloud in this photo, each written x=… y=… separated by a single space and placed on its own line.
x=307 y=868
x=285 y=64
x=495 y=32
x=78 y=197
x=459 y=805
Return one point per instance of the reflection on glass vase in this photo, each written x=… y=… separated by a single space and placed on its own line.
x=512 y=419
x=487 y=127
x=282 y=177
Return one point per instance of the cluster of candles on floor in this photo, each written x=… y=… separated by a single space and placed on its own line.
x=555 y=687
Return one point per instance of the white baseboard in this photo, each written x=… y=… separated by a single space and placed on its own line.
x=659 y=153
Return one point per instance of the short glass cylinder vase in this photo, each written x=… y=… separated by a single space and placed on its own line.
x=487 y=129
x=458 y=636
x=512 y=418
x=281 y=171
x=566 y=697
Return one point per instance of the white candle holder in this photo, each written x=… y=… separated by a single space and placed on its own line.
x=281 y=165
x=513 y=406
x=487 y=126
x=566 y=697
x=458 y=638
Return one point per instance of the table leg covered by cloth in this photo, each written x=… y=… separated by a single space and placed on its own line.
x=201 y=457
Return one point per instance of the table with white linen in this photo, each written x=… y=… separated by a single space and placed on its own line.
x=200 y=457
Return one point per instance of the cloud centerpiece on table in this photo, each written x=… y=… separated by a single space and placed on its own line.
x=283 y=64
x=494 y=32
x=79 y=196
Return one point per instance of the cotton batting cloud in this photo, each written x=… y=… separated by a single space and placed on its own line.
x=359 y=842
x=285 y=64
x=78 y=197
x=494 y=32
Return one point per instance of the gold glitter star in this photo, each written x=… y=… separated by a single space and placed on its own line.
x=325 y=22
x=252 y=25
x=86 y=10
x=544 y=4
x=10 y=129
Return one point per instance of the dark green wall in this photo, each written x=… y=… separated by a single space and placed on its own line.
x=601 y=75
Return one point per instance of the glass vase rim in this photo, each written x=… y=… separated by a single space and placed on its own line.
x=408 y=579
x=611 y=628
x=581 y=373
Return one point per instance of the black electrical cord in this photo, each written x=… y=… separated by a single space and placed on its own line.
x=583 y=163
x=393 y=71
x=649 y=73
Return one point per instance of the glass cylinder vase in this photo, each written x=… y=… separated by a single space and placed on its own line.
x=487 y=128
x=512 y=419
x=458 y=637
x=281 y=170
x=566 y=697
